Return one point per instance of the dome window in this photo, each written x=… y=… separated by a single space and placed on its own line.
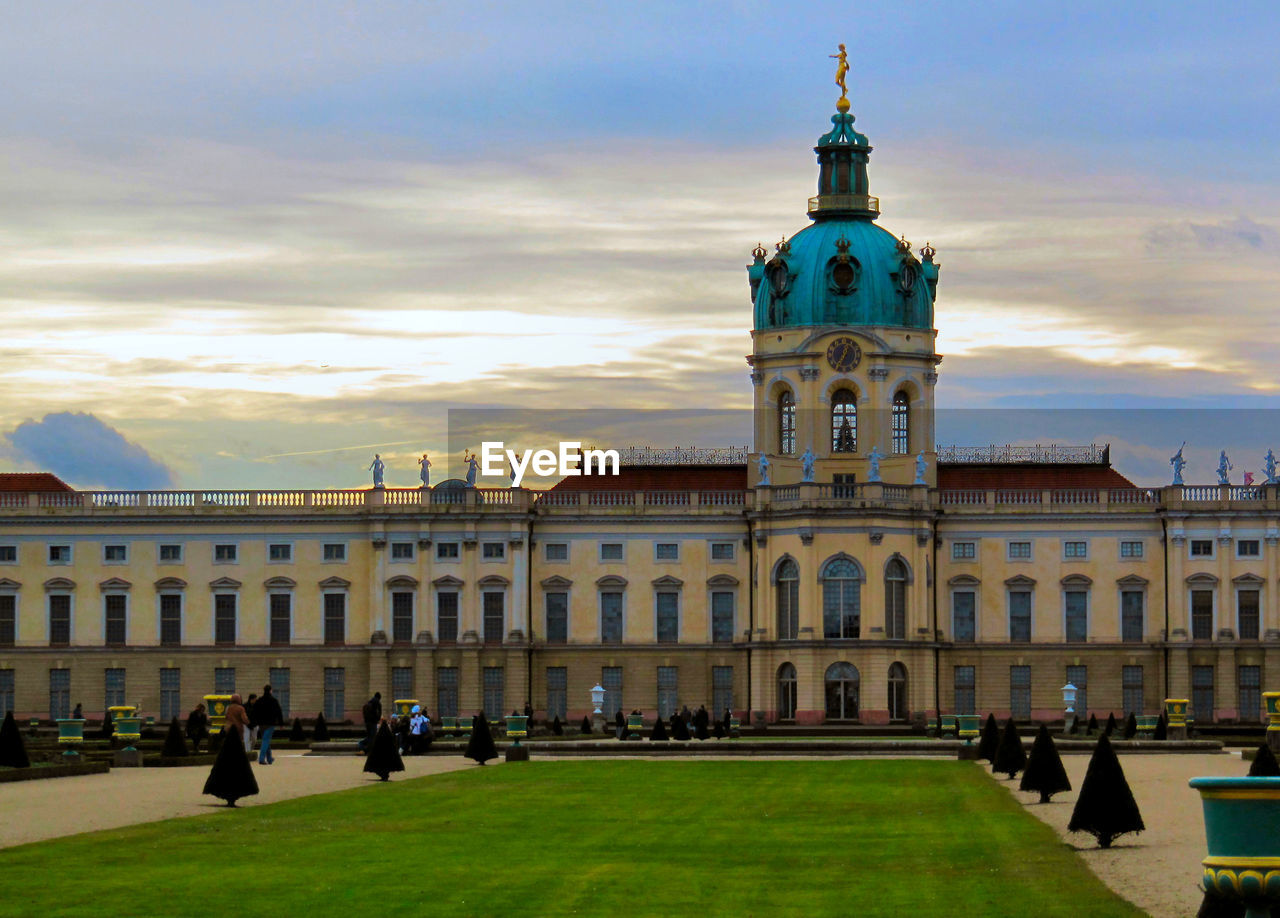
x=779 y=278
x=844 y=422
x=843 y=275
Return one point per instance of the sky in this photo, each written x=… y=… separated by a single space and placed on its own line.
x=248 y=245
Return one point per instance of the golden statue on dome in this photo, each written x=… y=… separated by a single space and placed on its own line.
x=842 y=68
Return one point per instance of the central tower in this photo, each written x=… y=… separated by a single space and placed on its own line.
x=843 y=358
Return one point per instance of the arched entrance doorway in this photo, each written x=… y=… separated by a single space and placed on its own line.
x=786 y=692
x=897 y=692
x=842 y=691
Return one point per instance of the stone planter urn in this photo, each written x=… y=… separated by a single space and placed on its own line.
x=1272 y=701
x=70 y=736
x=1242 y=828
x=1147 y=724
x=1175 y=712
x=216 y=707
x=635 y=726
x=735 y=727
x=948 y=727
x=970 y=726
x=517 y=727
x=125 y=725
x=404 y=706
x=931 y=726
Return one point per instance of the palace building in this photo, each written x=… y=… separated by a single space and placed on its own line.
x=848 y=570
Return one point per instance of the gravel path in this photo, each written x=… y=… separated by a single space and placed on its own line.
x=36 y=810
x=1159 y=869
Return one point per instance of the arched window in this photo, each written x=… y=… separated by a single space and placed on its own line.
x=901 y=424
x=841 y=599
x=895 y=600
x=786 y=692
x=842 y=691
x=844 y=422
x=897 y=692
x=788 y=585
x=786 y=424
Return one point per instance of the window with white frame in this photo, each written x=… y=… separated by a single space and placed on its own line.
x=402 y=551
x=447 y=616
x=1201 y=548
x=169 y=553
x=59 y=554
x=115 y=554
x=279 y=552
x=171 y=619
x=611 y=617
x=964 y=686
x=493 y=551
x=59 y=619
x=722 y=614
x=1075 y=550
x=225 y=553
x=402 y=618
x=1019 y=551
x=1248 y=548
x=666 y=551
x=170 y=693
x=1131 y=689
x=8 y=554
x=555 y=551
x=1131 y=550
x=446 y=551
x=964 y=551
x=1132 y=624
x=557 y=691
x=610 y=551
x=964 y=608
x=224 y=680
x=1020 y=692
x=8 y=619
x=1247 y=614
x=1020 y=616
x=557 y=610
x=115 y=608
x=493 y=606
x=1076 y=613
x=280 y=606
x=224 y=618
x=667 y=612
x=335 y=693
x=722 y=551
x=447 y=691
x=335 y=618
x=1202 y=615
x=6 y=691
x=334 y=551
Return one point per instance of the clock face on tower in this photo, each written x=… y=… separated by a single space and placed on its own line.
x=844 y=354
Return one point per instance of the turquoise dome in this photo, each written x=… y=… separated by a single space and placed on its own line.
x=844 y=269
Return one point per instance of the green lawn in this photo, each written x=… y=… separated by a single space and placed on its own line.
x=614 y=838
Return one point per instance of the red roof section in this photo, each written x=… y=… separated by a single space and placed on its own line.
x=661 y=478
x=1028 y=477
x=32 y=481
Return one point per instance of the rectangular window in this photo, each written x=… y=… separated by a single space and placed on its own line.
x=224 y=680
x=1202 y=615
x=114 y=694
x=278 y=676
x=668 y=691
x=281 y=605
x=447 y=691
x=494 y=605
x=280 y=551
x=170 y=619
x=1019 y=551
x=8 y=554
x=335 y=693
x=722 y=615
x=722 y=551
x=494 y=703
x=446 y=551
x=447 y=617
x=557 y=607
x=402 y=617
x=964 y=608
x=59 y=694
x=1131 y=623
x=6 y=691
x=1131 y=550
x=59 y=554
x=964 y=551
x=334 y=551
x=170 y=694
x=965 y=690
x=1077 y=615
x=225 y=554
x=1131 y=689
x=1202 y=548
x=1247 y=614
x=1248 y=548
x=493 y=551
x=401 y=551
x=401 y=682
x=224 y=618
x=1019 y=616
x=721 y=690
x=611 y=618
x=114 y=611
x=1076 y=551
x=170 y=553
x=1202 y=694
x=8 y=619
x=610 y=551
x=611 y=682
x=1249 y=691
x=557 y=692
x=666 y=551
x=556 y=551
x=335 y=618
x=59 y=620
x=115 y=554
x=668 y=612
x=1079 y=677
x=1020 y=692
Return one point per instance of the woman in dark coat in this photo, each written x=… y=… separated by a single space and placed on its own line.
x=679 y=728
x=197 y=727
x=701 y=721
x=383 y=757
x=231 y=776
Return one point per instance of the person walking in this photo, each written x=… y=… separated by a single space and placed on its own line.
x=268 y=715
x=253 y=723
x=197 y=728
x=237 y=723
x=371 y=713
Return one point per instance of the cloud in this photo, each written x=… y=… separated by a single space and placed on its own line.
x=1237 y=234
x=87 y=452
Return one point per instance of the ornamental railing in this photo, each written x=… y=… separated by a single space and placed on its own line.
x=680 y=455
x=828 y=203
x=1006 y=454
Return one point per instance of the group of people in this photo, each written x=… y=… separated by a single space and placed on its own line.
x=685 y=724
x=252 y=721
x=413 y=731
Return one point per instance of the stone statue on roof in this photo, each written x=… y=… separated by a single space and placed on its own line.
x=377 y=467
x=764 y=470
x=842 y=70
x=473 y=467
x=1270 y=465
x=425 y=473
x=807 y=462
x=1224 y=466
x=874 y=456
x=922 y=466
x=1178 y=464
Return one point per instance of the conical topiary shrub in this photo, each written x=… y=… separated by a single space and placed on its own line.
x=1075 y=726
x=1216 y=906
x=1093 y=725
x=659 y=732
x=1044 y=772
x=585 y=726
x=296 y=733
x=1010 y=756
x=1106 y=808
x=175 y=744
x=1131 y=726
x=321 y=731
x=231 y=776
x=108 y=728
x=480 y=747
x=1162 y=728
x=1264 y=764
x=557 y=728
x=1111 y=725
x=679 y=729
x=990 y=740
x=384 y=756
x=13 y=752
